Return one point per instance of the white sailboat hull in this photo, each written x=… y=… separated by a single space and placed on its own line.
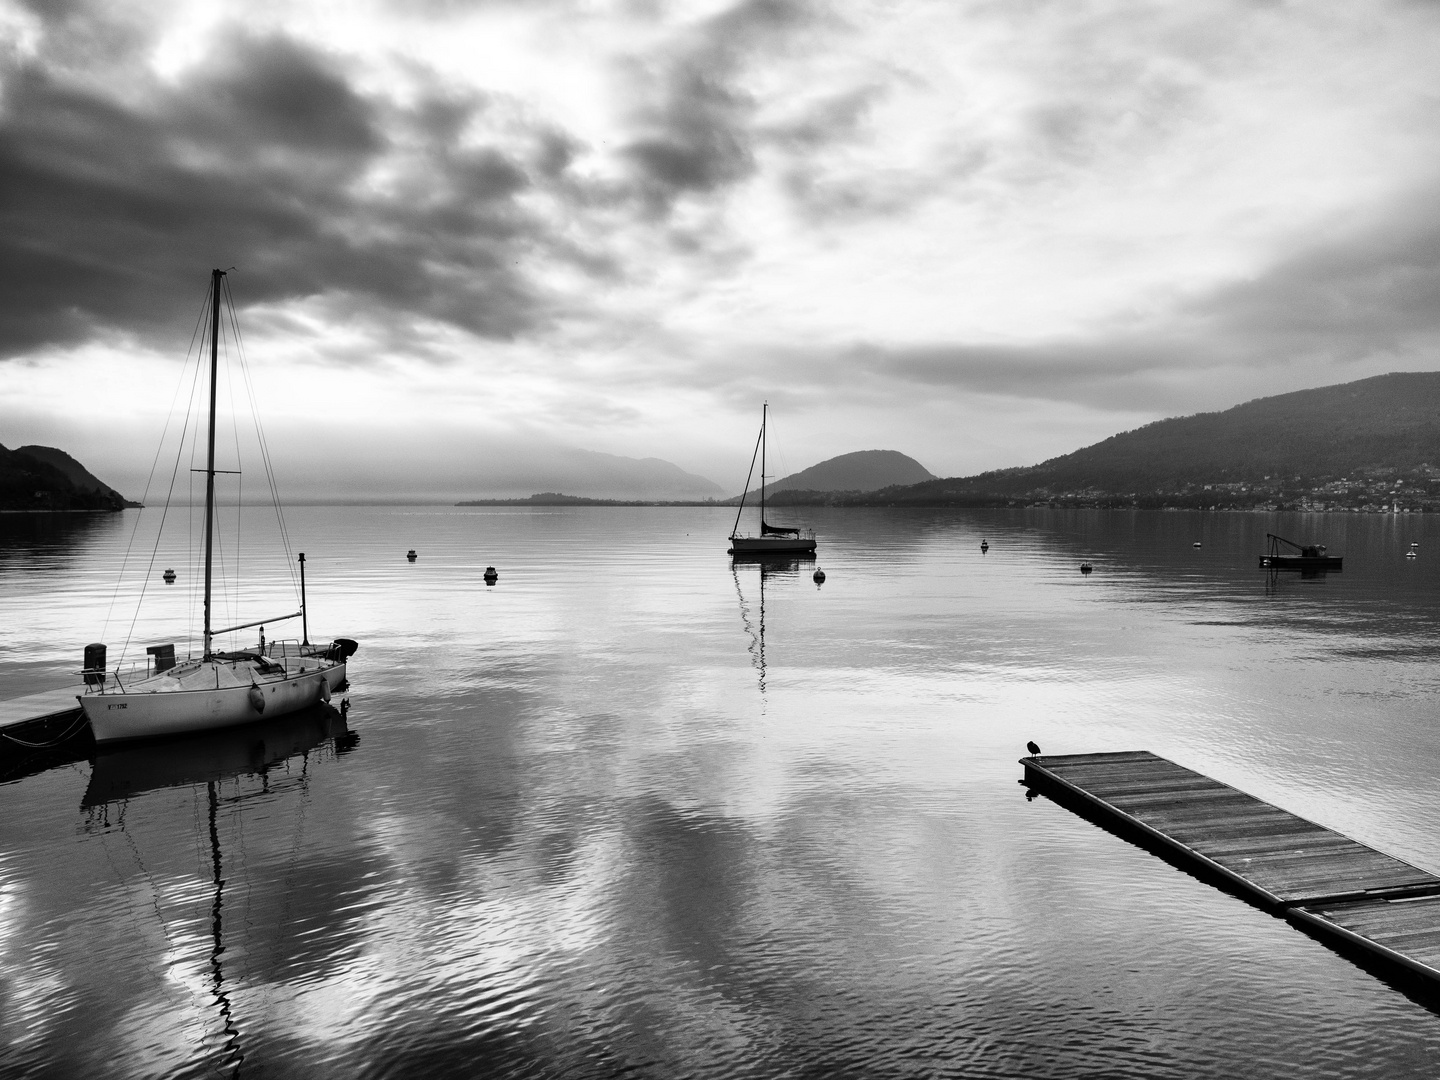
x=142 y=713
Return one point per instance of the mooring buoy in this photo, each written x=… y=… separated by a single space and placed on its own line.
x=169 y=577
x=1195 y=544
x=984 y=546
x=410 y=554
x=1085 y=568
x=491 y=576
x=818 y=576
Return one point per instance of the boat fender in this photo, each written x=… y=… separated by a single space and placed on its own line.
x=257 y=698
x=324 y=689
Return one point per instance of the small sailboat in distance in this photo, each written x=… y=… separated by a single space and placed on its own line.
x=773 y=539
x=216 y=689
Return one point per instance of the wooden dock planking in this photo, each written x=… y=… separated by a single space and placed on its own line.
x=1308 y=873
x=1405 y=931
x=1281 y=857
x=49 y=705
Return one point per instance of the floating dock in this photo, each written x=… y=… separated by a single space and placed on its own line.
x=1288 y=864
x=37 y=713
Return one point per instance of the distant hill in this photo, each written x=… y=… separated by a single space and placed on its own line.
x=1340 y=444
x=42 y=478
x=76 y=473
x=863 y=470
x=1386 y=422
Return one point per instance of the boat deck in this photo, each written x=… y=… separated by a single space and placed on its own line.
x=1297 y=868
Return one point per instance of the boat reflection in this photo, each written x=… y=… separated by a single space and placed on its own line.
x=770 y=568
x=1275 y=579
x=210 y=758
x=120 y=774
x=776 y=563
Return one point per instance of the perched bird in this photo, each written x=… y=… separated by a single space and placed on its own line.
x=1034 y=750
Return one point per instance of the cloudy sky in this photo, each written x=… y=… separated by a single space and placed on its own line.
x=982 y=233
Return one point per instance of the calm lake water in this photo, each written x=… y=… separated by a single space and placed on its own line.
x=634 y=811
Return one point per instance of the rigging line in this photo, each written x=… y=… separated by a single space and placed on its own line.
x=196 y=550
x=154 y=464
x=149 y=880
x=234 y=598
x=164 y=514
x=746 y=489
x=239 y=467
x=224 y=594
x=261 y=440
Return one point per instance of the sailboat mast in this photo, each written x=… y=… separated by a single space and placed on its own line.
x=215 y=276
x=764 y=418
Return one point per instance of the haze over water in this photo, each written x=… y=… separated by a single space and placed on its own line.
x=593 y=821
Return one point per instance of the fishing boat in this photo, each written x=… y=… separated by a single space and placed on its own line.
x=1305 y=557
x=773 y=539
x=216 y=689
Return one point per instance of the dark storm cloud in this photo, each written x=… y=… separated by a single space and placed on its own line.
x=696 y=122
x=265 y=158
x=1373 y=286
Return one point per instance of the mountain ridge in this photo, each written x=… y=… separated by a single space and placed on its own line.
x=1328 y=447
x=858 y=471
x=43 y=479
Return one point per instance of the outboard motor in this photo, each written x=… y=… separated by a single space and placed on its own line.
x=94 y=664
x=341 y=649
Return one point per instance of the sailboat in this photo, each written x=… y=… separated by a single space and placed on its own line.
x=773 y=539
x=216 y=689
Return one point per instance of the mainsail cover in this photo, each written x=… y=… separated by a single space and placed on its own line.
x=766 y=529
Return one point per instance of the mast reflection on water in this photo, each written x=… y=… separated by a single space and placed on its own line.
x=769 y=567
x=213 y=758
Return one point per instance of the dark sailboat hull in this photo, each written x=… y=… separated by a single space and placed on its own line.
x=772 y=545
x=1301 y=562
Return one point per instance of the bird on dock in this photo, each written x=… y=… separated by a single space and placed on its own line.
x=1033 y=748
